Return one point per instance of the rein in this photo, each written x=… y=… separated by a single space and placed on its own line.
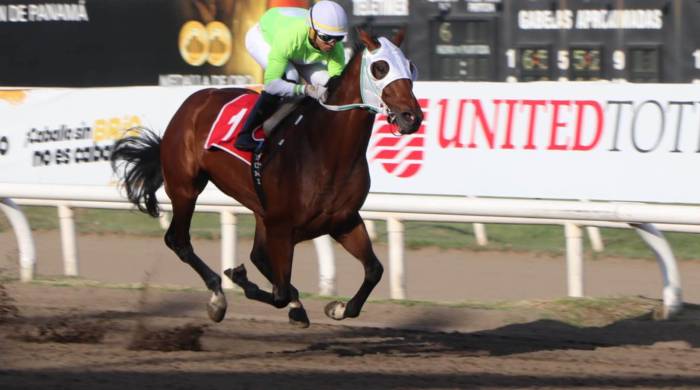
x=347 y=107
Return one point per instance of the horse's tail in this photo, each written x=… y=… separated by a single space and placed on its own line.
x=141 y=174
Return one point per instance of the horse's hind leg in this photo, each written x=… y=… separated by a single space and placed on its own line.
x=258 y=255
x=177 y=238
x=354 y=239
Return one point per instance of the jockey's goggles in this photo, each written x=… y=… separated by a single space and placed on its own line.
x=328 y=38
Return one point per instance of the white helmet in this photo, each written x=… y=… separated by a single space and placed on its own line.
x=328 y=17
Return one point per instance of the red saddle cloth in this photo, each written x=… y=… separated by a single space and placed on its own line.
x=228 y=124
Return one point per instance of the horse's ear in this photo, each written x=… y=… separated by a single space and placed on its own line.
x=367 y=39
x=397 y=39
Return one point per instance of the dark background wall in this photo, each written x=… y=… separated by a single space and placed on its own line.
x=135 y=42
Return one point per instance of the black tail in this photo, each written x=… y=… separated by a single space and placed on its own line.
x=142 y=174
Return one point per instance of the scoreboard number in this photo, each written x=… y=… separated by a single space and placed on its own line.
x=563 y=59
x=510 y=58
x=619 y=60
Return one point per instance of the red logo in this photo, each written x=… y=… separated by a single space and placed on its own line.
x=401 y=156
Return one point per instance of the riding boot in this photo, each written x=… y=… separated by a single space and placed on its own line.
x=264 y=106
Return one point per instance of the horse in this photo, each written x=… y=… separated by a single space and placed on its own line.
x=315 y=175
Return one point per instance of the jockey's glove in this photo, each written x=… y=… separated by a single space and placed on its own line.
x=317 y=92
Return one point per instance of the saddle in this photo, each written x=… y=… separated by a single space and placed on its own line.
x=230 y=120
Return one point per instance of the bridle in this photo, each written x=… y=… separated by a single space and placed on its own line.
x=371 y=88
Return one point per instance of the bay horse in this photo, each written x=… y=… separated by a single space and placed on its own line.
x=315 y=180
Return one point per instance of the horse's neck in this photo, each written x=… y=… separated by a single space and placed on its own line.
x=351 y=129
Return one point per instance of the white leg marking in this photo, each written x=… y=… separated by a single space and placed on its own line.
x=295 y=305
x=218 y=300
x=338 y=312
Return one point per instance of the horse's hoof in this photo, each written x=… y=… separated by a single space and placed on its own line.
x=335 y=310
x=237 y=275
x=216 y=307
x=298 y=317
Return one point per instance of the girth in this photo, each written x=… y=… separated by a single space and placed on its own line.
x=270 y=124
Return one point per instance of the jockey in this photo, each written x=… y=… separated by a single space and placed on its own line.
x=288 y=42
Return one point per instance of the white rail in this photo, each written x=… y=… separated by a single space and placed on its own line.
x=397 y=208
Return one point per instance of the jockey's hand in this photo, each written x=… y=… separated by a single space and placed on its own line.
x=317 y=92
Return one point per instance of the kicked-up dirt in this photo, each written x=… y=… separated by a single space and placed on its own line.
x=166 y=341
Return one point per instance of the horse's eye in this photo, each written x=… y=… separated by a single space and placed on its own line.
x=379 y=69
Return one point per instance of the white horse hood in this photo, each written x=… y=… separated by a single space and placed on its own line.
x=399 y=68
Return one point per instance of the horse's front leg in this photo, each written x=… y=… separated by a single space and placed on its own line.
x=356 y=241
x=239 y=276
x=280 y=250
x=259 y=256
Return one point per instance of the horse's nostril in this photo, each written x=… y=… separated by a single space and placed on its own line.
x=418 y=119
x=408 y=116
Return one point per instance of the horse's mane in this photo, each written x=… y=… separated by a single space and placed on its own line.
x=335 y=81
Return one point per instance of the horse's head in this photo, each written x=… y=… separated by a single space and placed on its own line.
x=386 y=81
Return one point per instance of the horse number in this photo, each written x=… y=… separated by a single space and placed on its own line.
x=234 y=121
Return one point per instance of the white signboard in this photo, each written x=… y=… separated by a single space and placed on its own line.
x=595 y=141
x=65 y=136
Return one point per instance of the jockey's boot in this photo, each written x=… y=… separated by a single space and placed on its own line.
x=264 y=106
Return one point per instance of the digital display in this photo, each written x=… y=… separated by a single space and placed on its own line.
x=534 y=59
x=644 y=65
x=467 y=68
x=464 y=32
x=644 y=60
x=463 y=50
x=587 y=60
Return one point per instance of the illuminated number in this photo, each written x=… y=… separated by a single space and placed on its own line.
x=619 y=59
x=579 y=60
x=527 y=61
x=535 y=59
x=510 y=57
x=696 y=54
x=563 y=59
x=234 y=121
x=595 y=61
x=586 y=59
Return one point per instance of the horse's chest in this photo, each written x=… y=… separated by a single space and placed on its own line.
x=340 y=201
x=349 y=193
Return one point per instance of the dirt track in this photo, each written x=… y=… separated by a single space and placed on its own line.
x=389 y=346
x=377 y=351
